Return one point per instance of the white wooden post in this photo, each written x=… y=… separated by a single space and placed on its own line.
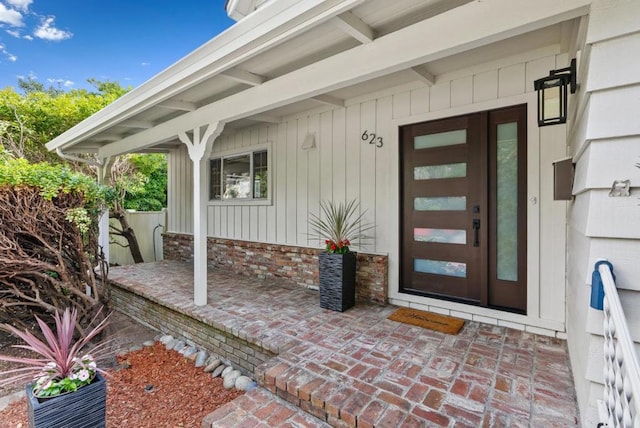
x=104 y=177
x=199 y=148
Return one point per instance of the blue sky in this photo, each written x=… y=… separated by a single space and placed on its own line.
x=65 y=42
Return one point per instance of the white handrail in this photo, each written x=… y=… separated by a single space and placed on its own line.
x=621 y=371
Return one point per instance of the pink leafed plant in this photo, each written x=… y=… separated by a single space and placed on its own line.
x=62 y=368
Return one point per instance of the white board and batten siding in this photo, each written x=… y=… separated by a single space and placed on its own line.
x=605 y=145
x=343 y=167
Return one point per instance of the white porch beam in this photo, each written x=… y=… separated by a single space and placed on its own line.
x=199 y=148
x=178 y=105
x=275 y=23
x=243 y=76
x=266 y=118
x=329 y=100
x=85 y=147
x=400 y=50
x=423 y=75
x=138 y=124
x=355 y=27
x=107 y=137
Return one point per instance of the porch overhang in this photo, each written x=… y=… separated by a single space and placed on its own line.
x=226 y=55
x=251 y=73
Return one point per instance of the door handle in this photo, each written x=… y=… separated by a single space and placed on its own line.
x=476 y=232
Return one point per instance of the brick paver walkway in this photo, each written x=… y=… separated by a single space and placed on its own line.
x=358 y=368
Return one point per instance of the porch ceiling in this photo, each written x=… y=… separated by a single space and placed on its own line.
x=324 y=29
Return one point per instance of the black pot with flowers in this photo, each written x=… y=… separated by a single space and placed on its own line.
x=67 y=388
x=339 y=225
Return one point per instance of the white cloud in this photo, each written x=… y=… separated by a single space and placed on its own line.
x=20 y=4
x=28 y=37
x=10 y=16
x=47 y=31
x=10 y=57
x=145 y=64
x=31 y=75
x=61 y=82
x=14 y=33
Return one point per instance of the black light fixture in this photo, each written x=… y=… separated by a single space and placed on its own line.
x=553 y=95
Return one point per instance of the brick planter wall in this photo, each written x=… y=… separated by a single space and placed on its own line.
x=294 y=264
x=241 y=354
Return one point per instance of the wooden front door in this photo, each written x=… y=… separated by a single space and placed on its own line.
x=463 y=231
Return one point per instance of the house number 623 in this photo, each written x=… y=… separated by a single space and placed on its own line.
x=372 y=138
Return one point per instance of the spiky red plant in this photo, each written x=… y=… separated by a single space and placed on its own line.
x=60 y=353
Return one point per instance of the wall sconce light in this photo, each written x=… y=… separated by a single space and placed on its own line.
x=553 y=96
x=309 y=142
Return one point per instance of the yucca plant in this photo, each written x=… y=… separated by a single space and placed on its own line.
x=62 y=367
x=340 y=225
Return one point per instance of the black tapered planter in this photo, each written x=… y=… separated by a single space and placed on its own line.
x=337 y=281
x=84 y=408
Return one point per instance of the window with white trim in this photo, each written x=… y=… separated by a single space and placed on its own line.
x=240 y=177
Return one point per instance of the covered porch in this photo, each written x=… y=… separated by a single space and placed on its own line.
x=317 y=367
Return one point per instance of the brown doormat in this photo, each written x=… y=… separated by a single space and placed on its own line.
x=437 y=322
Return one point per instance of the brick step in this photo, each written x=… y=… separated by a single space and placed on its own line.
x=339 y=400
x=259 y=408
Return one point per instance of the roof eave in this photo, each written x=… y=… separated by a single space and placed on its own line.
x=262 y=29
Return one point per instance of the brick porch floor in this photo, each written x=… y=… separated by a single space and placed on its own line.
x=358 y=368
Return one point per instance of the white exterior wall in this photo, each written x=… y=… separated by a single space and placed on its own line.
x=605 y=144
x=179 y=191
x=342 y=167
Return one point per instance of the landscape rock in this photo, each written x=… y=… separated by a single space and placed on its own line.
x=135 y=348
x=148 y=343
x=230 y=379
x=201 y=357
x=211 y=359
x=243 y=382
x=212 y=365
x=179 y=345
x=170 y=344
x=188 y=351
x=218 y=370
x=226 y=371
x=166 y=339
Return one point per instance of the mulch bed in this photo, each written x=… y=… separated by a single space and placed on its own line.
x=159 y=389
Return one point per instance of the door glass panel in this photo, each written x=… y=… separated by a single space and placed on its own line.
x=507 y=202
x=440 y=268
x=450 y=170
x=446 y=203
x=446 y=236
x=441 y=139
